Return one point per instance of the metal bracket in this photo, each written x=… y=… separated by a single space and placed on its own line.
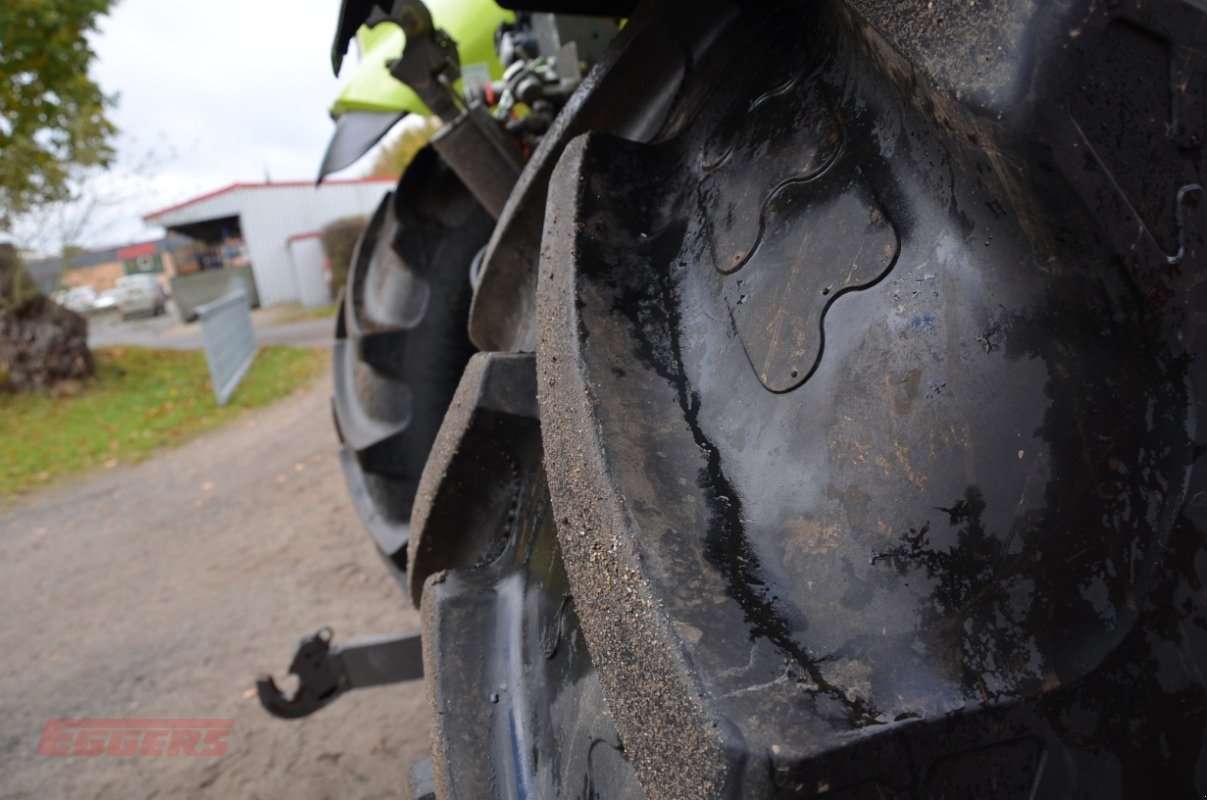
x=471 y=143
x=325 y=672
x=486 y=160
x=429 y=64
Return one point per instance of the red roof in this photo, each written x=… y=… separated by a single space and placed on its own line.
x=261 y=185
x=136 y=251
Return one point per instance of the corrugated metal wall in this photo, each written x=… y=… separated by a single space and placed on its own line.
x=309 y=271
x=270 y=213
x=269 y=216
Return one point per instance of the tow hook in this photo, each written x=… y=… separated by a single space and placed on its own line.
x=325 y=672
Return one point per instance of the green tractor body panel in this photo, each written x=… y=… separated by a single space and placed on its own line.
x=471 y=23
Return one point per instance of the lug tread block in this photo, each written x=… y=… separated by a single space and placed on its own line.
x=462 y=692
x=372 y=505
x=965 y=507
x=359 y=425
x=630 y=93
x=401 y=342
x=472 y=482
x=431 y=193
x=653 y=693
x=516 y=705
x=389 y=458
x=362 y=255
x=383 y=350
x=396 y=300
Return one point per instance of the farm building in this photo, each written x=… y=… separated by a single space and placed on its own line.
x=270 y=219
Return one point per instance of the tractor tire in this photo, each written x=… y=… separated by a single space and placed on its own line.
x=861 y=452
x=517 y=706
x=401 y=342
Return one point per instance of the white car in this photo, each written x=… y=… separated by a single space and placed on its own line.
x=81 y=299
x=140 y=294
x=105 y=301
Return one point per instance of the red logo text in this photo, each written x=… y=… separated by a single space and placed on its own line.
x=135 y=737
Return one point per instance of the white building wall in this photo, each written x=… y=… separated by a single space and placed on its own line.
x=310 y=271
x=270 y=213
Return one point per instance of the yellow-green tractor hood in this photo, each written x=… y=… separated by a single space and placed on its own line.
x=372 y=100
x=370 y=87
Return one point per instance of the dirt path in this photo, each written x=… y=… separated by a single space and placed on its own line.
x=160 y=590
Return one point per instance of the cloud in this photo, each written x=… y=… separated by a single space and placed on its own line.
x=221 y=91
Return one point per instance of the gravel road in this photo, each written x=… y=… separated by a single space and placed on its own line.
x=160 y=590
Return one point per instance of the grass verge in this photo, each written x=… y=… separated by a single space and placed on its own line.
x=141 y=400
x=296 y=312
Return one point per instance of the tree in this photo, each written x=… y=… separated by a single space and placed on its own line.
x=100 y=200
x=52 y=114
x=52 y=122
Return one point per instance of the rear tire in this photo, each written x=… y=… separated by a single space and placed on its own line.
x=864 y=412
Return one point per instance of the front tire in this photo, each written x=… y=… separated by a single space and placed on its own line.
x=401 y=341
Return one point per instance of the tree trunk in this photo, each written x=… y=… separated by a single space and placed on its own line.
x=42 y=344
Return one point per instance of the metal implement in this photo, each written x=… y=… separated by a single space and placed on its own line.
x=230 y=341
x=325 y=672
x=472 y=143
x=429 y=64
x=355 y=134
x=485 y=159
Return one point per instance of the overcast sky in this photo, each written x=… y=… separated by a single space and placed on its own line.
x=220 y=91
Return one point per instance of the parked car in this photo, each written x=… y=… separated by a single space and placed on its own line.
x=105 y=301
x=81 y=299
x=140 y=294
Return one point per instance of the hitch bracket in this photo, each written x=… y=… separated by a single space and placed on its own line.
x=325 y=672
